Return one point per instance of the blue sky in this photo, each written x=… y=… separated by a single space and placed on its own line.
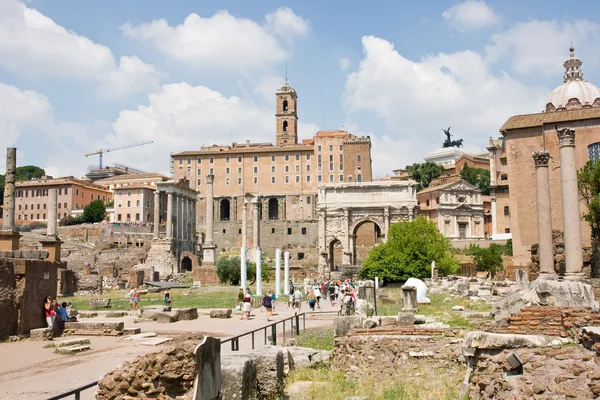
x=76 y=76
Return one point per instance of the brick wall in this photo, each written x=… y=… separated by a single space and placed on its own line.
x=552 y=321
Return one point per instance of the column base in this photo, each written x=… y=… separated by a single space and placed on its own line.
x=547 y=277
x=410 y=310
x=576 y=277
x=9 y=240
x=209 y=253
x=52 y=246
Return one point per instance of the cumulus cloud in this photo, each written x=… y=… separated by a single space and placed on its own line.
x=470 y=15
x=540 y=47
x=418 y=98
x=222 y=40
x=344 y=64
x=33 y=45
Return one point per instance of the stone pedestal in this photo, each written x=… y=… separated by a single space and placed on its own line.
x=52 y=246
x=9 y=240
x=209 y=253
x=409 y=299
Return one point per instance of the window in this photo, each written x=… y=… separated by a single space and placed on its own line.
x=137 y=216
x=272 y=169
x=189 y=171
x=38 y=206
x=255 y=170
x=341 y=167
x=331 y=158
x=77 y=206
x=148 y=204
x=272 y=230
x=226 y=171
x=331 y=166
x=319 y=178
x=189 y=161
x=307 y=199
x=129 y=193
x=227 y=181
x=359 y=178
x=506 y=211
x=44 y=216
x=319 y=148
x=308 y=157
x=66 y=191
x=286 y=157
x=285 y=126
x=211 y=160
x=256 y=180
x=297 y=157
x=119 y=204
x=273 y=158
x=506 y=230
x=319 y=159
x=211 y=171
x=358 y=158
x=330 y=178
x=287 y=179
x=198 y=182
x=341 y=178
x=118 y=217
x=224 y=210
x=128 y=217
x=239 y=181
x=594 y=151
x=319 y=167
x=37 y=216
x=287 y=168
x=128 y=203
x=330 y=147
x=76 y=192
x=341 y=158
x=255 y=158
x=307 y=167
x=297 y=168
x=308 y=178
x=199 y=160
x=289 y=231
x=297 y=178
x=239 y=159
x=137 y=203
x=341 y=147
x=272 y=179
x=181 y=161
x=273 y=208
x=285 y=105
x=227 y=159
x=239 y=170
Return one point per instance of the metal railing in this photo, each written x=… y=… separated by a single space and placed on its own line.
x=75 y=392
x=294 y=324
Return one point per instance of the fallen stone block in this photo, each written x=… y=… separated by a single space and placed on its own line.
x=458 y=308
x=151 y=312
x=156 y=341
x=341 y=325
x=406 y=319
x=225 y=313
x=420 y=354
x=305 y=357
x=238 y=377
x=494 y=341
x=131 y=331
x=167 y=317
x=141 y=336
x=72 y=349
x=389 y=321
x=116 y=314
x=99 y=303
x=269 y=371
x=187 y=314
x=118 y=326
x=71 y=342
x=370 y=323
x=40 y=334
x=420 y=319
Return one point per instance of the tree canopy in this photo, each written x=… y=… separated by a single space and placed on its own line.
x=94 y=212
x=408 y=253
x=478 y=177
x=229 y=270
x=424 y=173
x=588 y=180
x=23 y=173
x=489 y=259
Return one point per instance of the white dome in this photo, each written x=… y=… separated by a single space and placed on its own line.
x=581 y=90
x=574 y=87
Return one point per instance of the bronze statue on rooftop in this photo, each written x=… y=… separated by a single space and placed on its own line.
x=449 y=142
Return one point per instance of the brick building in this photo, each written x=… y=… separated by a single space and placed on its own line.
x=73 y=194
x=284 y=176
x=574 y=104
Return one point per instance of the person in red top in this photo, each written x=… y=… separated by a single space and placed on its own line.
x=49 y=312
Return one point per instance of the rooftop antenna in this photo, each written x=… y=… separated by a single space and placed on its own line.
x=286 y=76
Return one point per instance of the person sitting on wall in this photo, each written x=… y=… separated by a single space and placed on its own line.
x=62 y=312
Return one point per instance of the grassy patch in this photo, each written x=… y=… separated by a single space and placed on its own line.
x=318 y=339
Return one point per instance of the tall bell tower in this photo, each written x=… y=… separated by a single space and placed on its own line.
x=286 y=116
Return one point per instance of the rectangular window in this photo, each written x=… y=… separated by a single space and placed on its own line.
x=289 y=231
x=506 y=230
x=148 y=203
x=286 y=157
x=331 y=166
x=330 y=178
x=319 y=159
x=227 y=181
x=273 y=158
x=297 y=157
x=287 y=168
x=341 y=158
x=319 y=148
x=272 y=179
x=211 y=160
x=189 y=161
x=358 y=158
x=181 y=161
x=198 y=182
x=239 y=159
x=118 y=217
x=128 y=217
x=199 y=160
x=199 y=172
x=59 y=191
x=255 y=158
x=287 y=179
x=37 y=216
x=307 y=167
x=137 y=216
x=211 y=171
x=359 y=178
x=506 y=211
x=272 y=169
x=319 y=168
x=44 y=216
x=331 y=158
x=256 y=180
x=38 y=206
x=319 y=178
x=341 y=147
x=341 y=178
x=297 y=168
x=128 y=203
x=272 y=230
x=227 y=159
x=307 y=178
x=256 y=170
x=341 y=167
x=137 y=203
x=66 y=190
x=76 y=192
x=297 y=178
x=330 y=147
x=308 y=157
x=304 y=231
x=226 y=171
x=239 y=181
x=307 y=199
x=239 y=170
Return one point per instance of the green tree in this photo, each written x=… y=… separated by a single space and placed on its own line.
x=94 y=212
x=408 y=253
x=424 y=173
x=478 y=177
x=23 y=173
x=588 y=180
x=229 y=270
x=488 y=259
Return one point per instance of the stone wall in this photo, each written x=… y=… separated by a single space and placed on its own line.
x=8 y=305
x=96 y=233
x=559 y=256
x=121 y=259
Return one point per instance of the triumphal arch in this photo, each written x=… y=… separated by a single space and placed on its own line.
x=344 y=207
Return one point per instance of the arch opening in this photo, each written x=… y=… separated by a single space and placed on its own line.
x=186 y=264
x=285 y=105
x=366 y=235
x=224 y=210
x=273 y=208
x=285 y=126
x=335 y=255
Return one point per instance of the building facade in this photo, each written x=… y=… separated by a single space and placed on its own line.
x=73 y=194
x=282 y=178
x=574 y=104
x=499 y=189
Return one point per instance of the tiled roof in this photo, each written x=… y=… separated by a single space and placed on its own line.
x=533 y=120
x=132 y=177
x=68 y=180
x=436 y=188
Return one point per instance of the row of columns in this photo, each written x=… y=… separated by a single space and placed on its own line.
x=182 y=225
x=570 y=209
x=278 y=282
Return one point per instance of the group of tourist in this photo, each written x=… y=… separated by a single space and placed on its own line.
x=53 y=308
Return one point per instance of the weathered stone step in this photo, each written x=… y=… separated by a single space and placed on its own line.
x=72 y=349
x=157 y=341
x=141 y=336
x=131 y=331
x=71 y=342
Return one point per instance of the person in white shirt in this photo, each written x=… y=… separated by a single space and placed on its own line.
x=317 y=292
x=297 y=299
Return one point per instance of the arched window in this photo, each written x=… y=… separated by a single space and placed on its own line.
x=285 y=126
x=594 y=151
x=224 y=210
x=285 y=105
x=273 y=208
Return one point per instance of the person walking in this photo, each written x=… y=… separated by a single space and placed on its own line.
x=247 y=309
x=331 y=293
x=136 y=299
x=317 y=293
x=267 y=302
x=167 y=298
x=312 y=300
x=297 y=300
x=240 y=300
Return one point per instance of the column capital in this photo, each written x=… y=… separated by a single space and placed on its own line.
x=210 y=179
x=386 y=211
x=541 y=158
x=566 y=137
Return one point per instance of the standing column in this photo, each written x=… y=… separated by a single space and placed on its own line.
x=194 y=221
x=52 y=231
x=179 y=217
x=286 y=272
x=259 y=272
x=210 y=179
x=9 y=190
x=386 y=222
x=544 y=216
x=244 y=222
x=256 y=226
x=244 y=269
x=277 y=272
x=184 y=218
x=346 y=249
x=156 y=213
x=570 y=204
x=494 y=218
x=169 y=215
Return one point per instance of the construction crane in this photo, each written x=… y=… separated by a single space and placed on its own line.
x=102 y=151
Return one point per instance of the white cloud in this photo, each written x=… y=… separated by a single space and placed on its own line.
x=540 y=47
x=222 y=40
x=417 y=99
x=33 y=45
x=470 y=15
x=181 y=117
x=344 y=63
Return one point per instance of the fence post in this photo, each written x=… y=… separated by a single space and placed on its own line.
x=274 y=334
x=297 y=324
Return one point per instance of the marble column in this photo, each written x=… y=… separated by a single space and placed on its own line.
x=8 y=224
x=323 y=250
x=570 y=205
x=179 y=217
x=184 y=218
x=544 y=215
x=169 y=215
x=286 y=272
x=346 y=249
x=277 y=272
x=244 y=223
x=386 y=223
x=210 y=179
x=494 y=218
x=156 y=214
x=52 y=231
x=259 y=272
x=244 y=269
x=194 y=222
x=256 y=225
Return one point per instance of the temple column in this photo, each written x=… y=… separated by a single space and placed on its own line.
x=244 y=223
x=494 y=218
x=258 y=272
x=209 y=248
x=156 y=229
x=169 y=215
x=179 y=217
x=386 y=223
x=184 y=218
x=277 y=272
x=544 y=215
x=9 y=238
x=346 y=250
x=322 y=240
x=52 y=231
x=286 y=272
x=256 y=225
x=570 y=204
